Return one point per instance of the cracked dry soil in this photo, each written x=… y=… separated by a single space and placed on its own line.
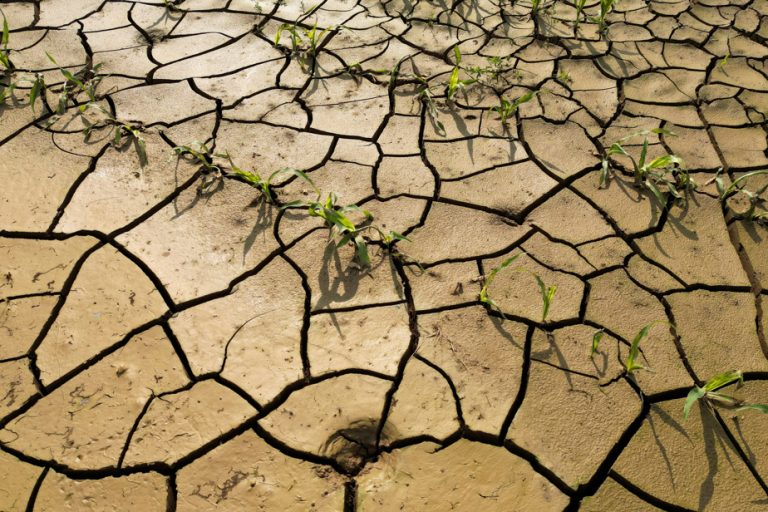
x=167 y=349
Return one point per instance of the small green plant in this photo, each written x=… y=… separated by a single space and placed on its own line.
x=580 y=4
x=507 y=109
x=256 y=181
x=737 y=188
x=428 y=100
x=5 y=53
x=455 y=84
x=596 y=338
x=712 y=397
x=722 y=62
x=662 y=175
x=85 y=80
x=631 y=364
x=200 y=152
x=305 y=42
x=132 y=135
x=547 y=292
x=343 y=230
x=606 y=6
x=535 y=5
x=564 y=77
x=494 y=68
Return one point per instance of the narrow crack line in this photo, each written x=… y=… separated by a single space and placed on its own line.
x=306 y=364
x=740 y=450
x=523 y=389
x=413 y=344
x=646 y=497
x=36 y=490
x=616 y=450
x=451 y=385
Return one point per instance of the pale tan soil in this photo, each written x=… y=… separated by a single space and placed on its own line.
x=168 y=348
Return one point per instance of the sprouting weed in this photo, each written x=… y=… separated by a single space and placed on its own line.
x=427 y=98
x=535 y=5
x=5 y=53
x=264 y=185
x=343 y=230
x=86 y=80
x=722 y=62
x=305 y=42
x=547 y=292
x=199 y=151
x=631 y=365
x=596 y=338
x=661 y=176
x=564 y=77
x=709 y=393
x=455 y=84
x=738 y=187
x=38 y=88
x=507 y=109
x=133 y=135
x=606 y=6
x=580 y=4
x=495 y=67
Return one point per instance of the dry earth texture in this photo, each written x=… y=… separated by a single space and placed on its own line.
x=177 y=332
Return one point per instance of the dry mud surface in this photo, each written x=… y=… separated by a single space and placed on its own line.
x=166 y=348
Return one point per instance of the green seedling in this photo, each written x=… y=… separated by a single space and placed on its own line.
x=507 y=109
x=547 y=292
x=631 y=365
x=564 y=77
x=712 y=397
x=535 y=4
x=38 y=88
x=343 y=230
x=722 y=62
x=200 y=152
x=663 y=175
x=596 y=338
x=495 y=68
x=133 y=134
x=606 y=6
x=85 y=80
x=256 y=181
x=304 y=41
x=454 y=83
x=737 y=187
x=5 y=53
x=427 y=98
x=580 y=4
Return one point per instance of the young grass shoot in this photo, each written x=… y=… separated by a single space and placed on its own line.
x=711 y=396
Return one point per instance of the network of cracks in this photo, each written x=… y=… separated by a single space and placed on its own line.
x=169 y=347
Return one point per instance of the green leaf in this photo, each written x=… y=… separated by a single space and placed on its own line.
x=596 y=337
x=295 y=172
x=547 y=293
x=252 y=179
x=37 y=87
x=6 y=33
x=723 y=379
x=693 y=396
x=634 y=349
x=457 y=54
x=489 y=279
x=604 y=169
x=362 y=251
x=756 y=407
x=141 y=149
x=741 y=178
x=643 y=153
x=656 y=193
